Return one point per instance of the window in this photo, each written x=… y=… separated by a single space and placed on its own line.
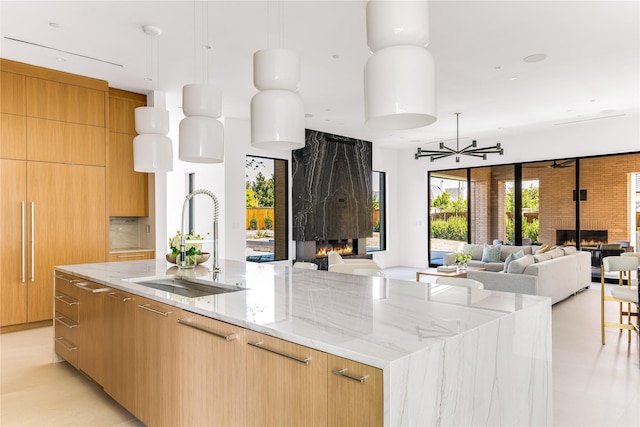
x=266 y=209
x=377 y=241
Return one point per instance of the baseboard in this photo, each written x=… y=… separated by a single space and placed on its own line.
x=25 y=326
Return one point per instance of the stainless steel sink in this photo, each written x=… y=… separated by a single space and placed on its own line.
x=186 y=288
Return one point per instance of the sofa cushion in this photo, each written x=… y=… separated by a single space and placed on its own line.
x=568 y=250
x=517 y=266
x=542 y=257
x=556 y=253
x=494 y=266
x=511 y=257
x=491 y=253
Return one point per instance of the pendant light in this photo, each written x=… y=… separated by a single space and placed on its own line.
x=201 y=134
x=399 y=78
x=277 y=110
x=152 y=148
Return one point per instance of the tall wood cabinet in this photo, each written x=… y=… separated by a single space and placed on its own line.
x=128 y=190
x=53 y=187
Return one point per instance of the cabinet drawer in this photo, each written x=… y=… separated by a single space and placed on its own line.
x=67 y=306
x=65 y=284
x=67 y=350
x=131 y=256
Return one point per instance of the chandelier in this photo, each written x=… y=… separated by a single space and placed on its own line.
x=469 y=150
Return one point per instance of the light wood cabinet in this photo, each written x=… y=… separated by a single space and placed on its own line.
x=91 y=358
x=65 y=102
x=13 y=122
x=286 y=383
x=128 y=189
x=157 y=364
x=13 y=134
x=53 y=214
x=79 y=324
x=62 y=142
x=66 y=325
x=120 y=337
x=354 y=393
x=131 y=256
x=13 y=231
x=212 y=363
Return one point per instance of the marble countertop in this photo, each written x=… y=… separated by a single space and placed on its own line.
x=368 y=319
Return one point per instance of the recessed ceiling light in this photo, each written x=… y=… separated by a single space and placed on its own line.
x=148 y=79
x=497 y=67
x=608 y=111
x=60 y=59
x=514 y=78
x=327 y=109
x=536 y=57
x=206 y=46
x=335 y=56
x=54 y=25
x=308 y=115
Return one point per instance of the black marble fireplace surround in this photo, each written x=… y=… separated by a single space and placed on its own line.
x=331 y=193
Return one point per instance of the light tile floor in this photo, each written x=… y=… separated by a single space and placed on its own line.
x=593 y=385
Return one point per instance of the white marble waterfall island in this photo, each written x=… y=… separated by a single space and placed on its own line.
x=449 y=356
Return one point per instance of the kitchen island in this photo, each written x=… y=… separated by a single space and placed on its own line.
x=448 y=355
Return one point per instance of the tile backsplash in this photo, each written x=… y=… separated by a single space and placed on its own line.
x=124 y=233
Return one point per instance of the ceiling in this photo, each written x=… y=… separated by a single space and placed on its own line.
x=591 y=70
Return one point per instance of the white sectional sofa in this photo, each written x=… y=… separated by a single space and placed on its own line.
x=558 y=275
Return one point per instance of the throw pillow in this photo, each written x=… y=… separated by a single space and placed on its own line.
x=491 y=253
x=519 y=265
x=568 y=250
x=512 y=257
x=544 y=248
x=556 y=253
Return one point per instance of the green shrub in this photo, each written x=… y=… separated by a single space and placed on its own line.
x=268 y=223
x=453 y=228
x=376 y=228
x=253 y=223
x=530 y=230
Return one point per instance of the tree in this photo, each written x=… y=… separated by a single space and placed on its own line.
x=252 y=200
x=264 y=190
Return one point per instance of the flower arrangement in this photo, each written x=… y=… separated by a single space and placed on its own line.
x=463 y=257
x=190 y=248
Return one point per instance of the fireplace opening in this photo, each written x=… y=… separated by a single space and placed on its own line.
x=588 y=238
x=343 y=247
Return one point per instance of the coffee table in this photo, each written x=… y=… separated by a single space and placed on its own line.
x=435 y=272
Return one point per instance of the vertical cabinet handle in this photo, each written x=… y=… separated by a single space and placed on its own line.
x=261 y=346
x=343 y=373
x=33 y=238
x=23 y=239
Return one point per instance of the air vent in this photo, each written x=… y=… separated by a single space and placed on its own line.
x=64 y=51
x=588 y=120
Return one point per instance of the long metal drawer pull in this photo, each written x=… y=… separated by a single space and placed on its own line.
x=130 y=256
x=65 y=344
x=342 y=373
x=24 y=238
x=184 y=321
x=68 y=280
x=90 y=289
x=119 y=298
x=67 y=300
x=65 y=321
x=153 y=310
x=260 y=345
x=33 y=239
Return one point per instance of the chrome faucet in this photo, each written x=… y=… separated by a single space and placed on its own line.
x=183 y=257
